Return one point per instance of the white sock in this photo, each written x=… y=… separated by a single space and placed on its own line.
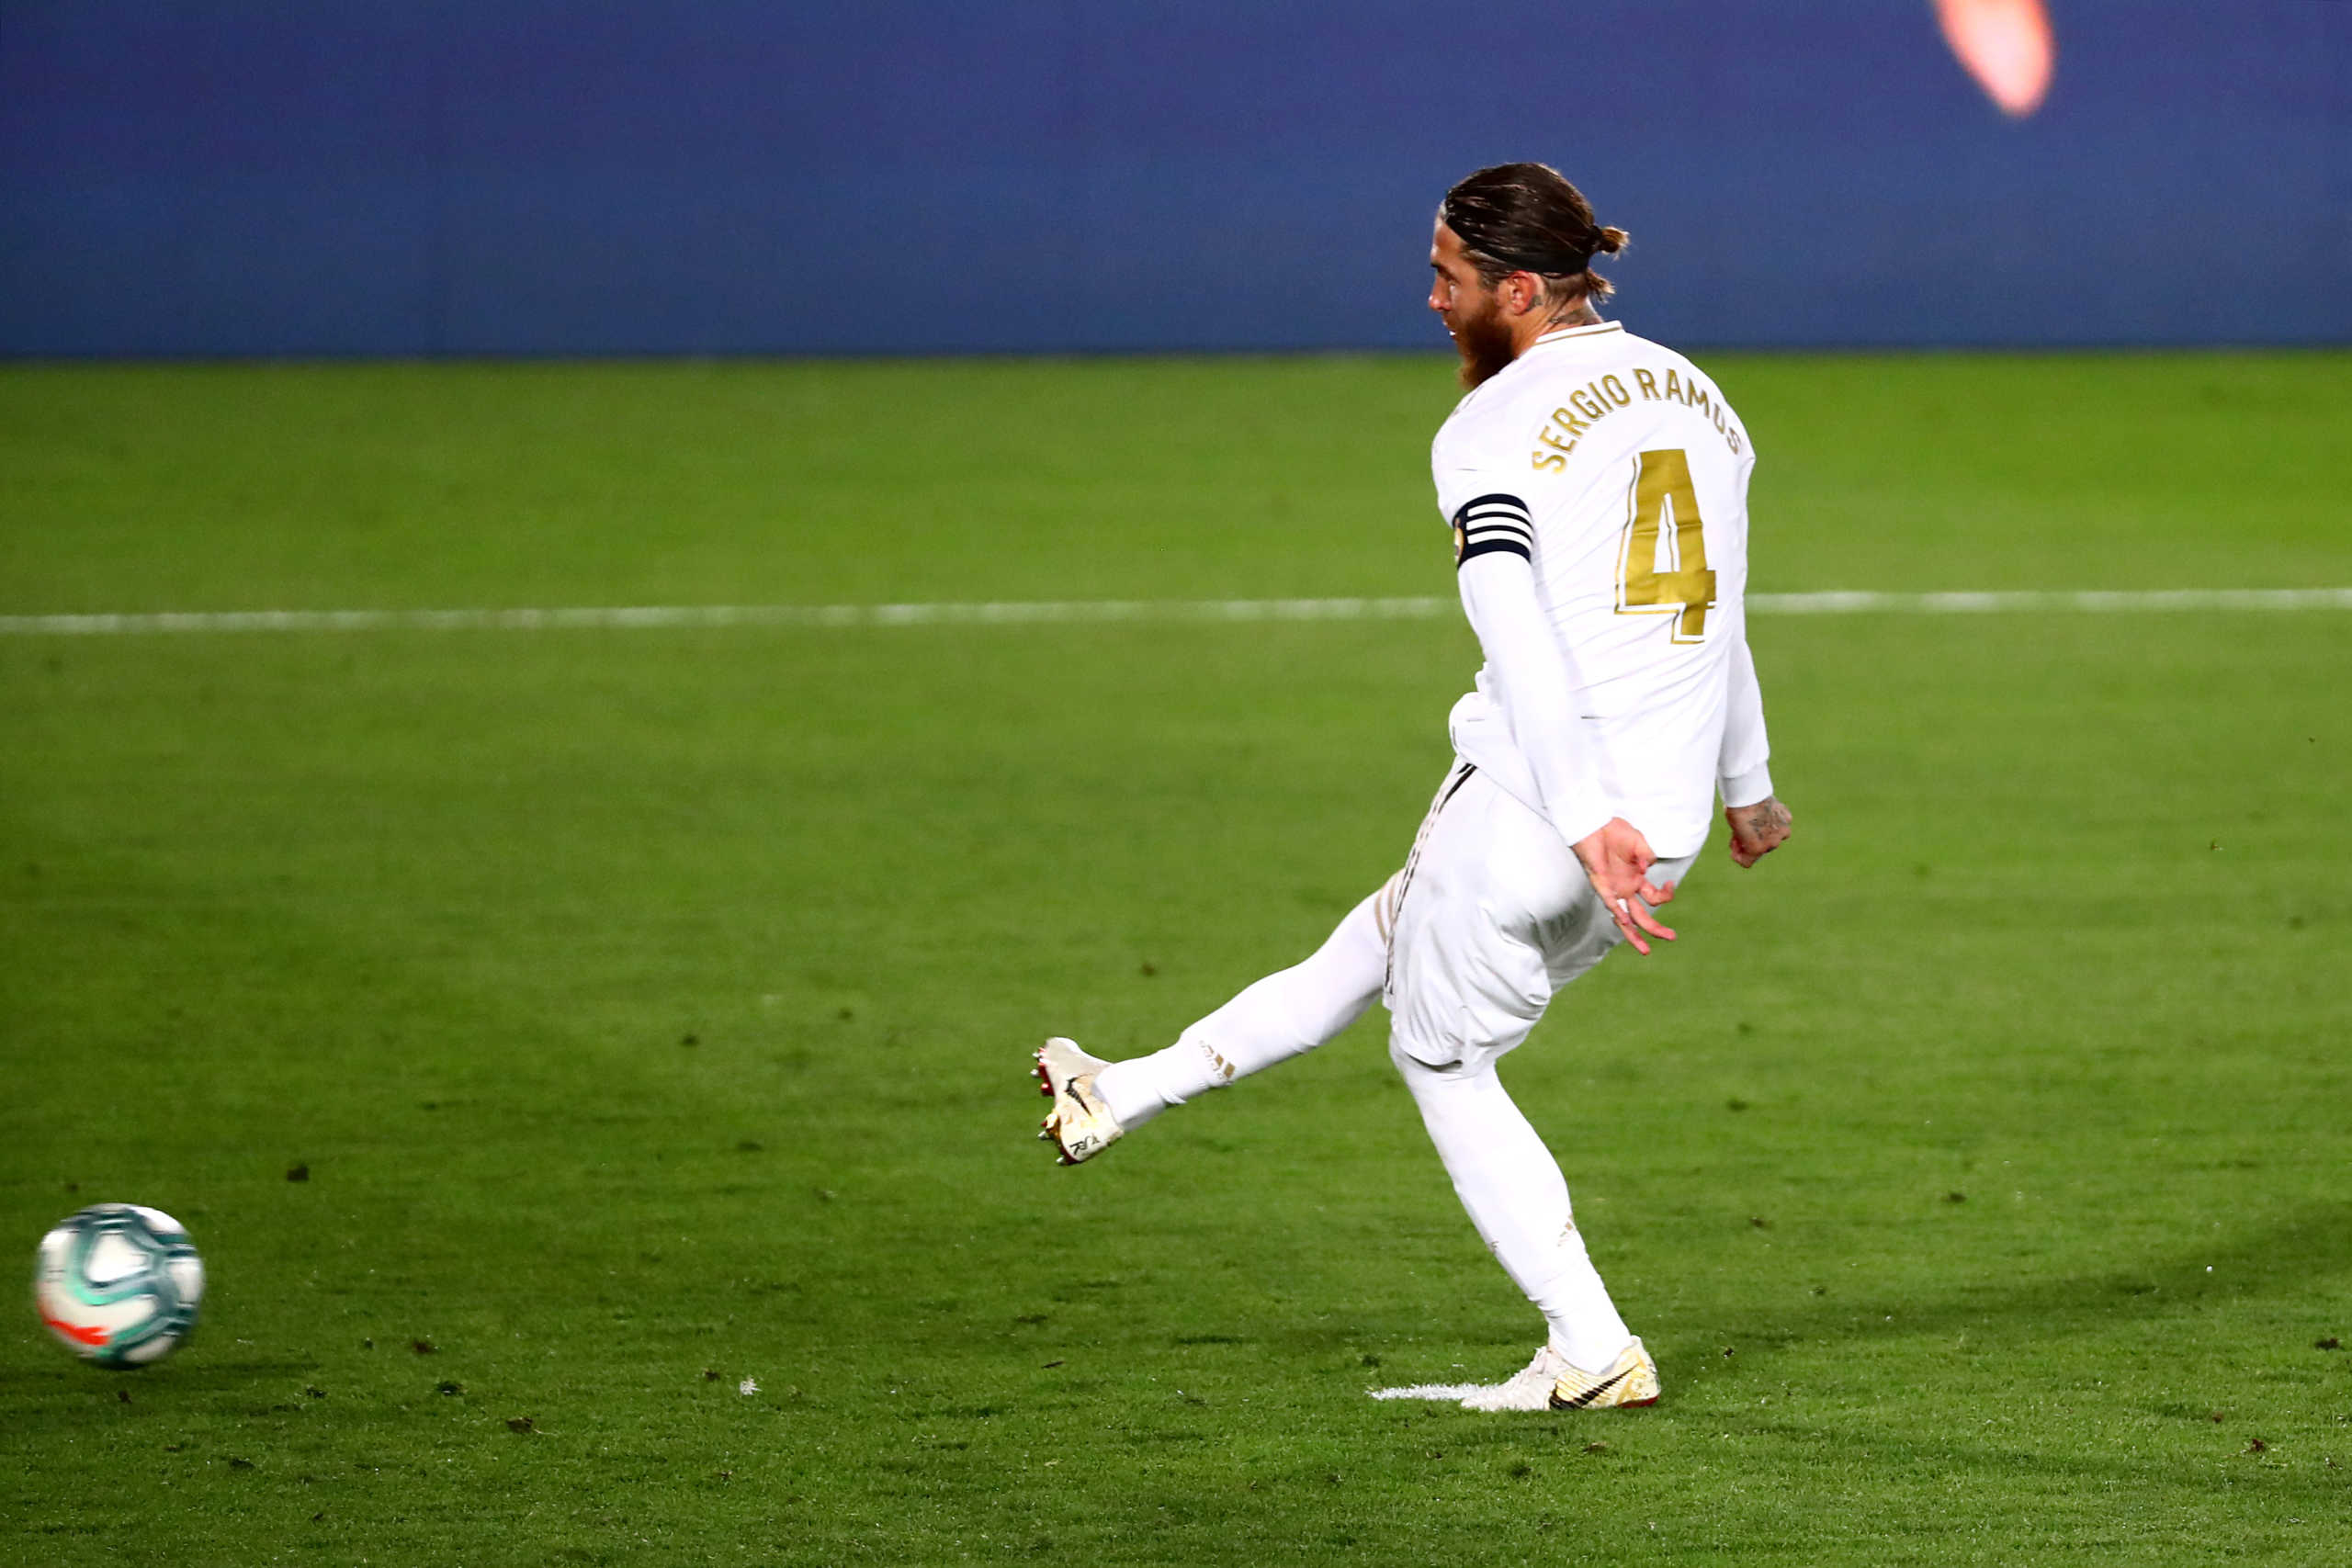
x=1280 y=1017
x=1518 y=1200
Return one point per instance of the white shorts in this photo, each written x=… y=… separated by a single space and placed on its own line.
x=1490 y=917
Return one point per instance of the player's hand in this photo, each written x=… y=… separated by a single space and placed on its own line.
x=1757 y=831
x=1618 y=860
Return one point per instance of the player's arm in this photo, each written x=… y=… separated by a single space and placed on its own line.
x=1530 y=672
x=1759 y=823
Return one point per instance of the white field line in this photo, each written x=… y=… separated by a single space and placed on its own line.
x=1091 y=611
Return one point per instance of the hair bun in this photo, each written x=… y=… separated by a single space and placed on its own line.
x=1611 y=241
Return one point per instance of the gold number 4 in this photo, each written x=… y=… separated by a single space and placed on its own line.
x=1666 y=507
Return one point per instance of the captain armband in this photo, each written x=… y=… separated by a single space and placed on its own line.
x=1493 y=523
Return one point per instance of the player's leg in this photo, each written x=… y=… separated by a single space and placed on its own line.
x=1517 y=1198
x=1284 y=1015
x=1497 y=917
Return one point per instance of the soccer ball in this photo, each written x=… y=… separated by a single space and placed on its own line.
x=119 y=1284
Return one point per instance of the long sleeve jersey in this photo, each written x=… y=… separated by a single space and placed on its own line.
x=1598 y=492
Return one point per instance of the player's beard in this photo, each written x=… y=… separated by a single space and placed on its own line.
x=1484 y=342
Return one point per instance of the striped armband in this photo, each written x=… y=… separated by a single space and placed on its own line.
x=1492 y=523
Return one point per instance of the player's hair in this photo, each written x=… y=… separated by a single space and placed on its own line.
x=1528 y=218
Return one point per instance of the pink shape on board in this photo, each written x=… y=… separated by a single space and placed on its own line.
x=2007 y=45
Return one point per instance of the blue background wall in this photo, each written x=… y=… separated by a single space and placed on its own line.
x=517 y=176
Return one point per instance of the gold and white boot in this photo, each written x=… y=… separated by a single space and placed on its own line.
x=1080 y=1125
x=1629 y=1381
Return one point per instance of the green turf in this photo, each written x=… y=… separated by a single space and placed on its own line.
x=649 y=1007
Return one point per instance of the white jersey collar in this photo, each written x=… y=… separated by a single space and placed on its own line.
x=1559 y=335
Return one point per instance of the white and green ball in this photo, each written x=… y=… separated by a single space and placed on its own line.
x=119 y=1284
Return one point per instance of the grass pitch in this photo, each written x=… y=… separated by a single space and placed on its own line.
x=648 y=1011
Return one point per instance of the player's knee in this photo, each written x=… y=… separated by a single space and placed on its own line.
x=1415 y=1064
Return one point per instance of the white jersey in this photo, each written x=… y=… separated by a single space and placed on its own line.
x=1617 y=468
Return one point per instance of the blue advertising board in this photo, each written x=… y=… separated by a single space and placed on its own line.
x=915 y=176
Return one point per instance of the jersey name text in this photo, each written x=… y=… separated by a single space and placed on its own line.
x=1595 y=400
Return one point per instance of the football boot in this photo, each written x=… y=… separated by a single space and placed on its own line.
x=1080 y=1125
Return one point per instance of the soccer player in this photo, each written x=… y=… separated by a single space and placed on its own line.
x=1597 y=487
